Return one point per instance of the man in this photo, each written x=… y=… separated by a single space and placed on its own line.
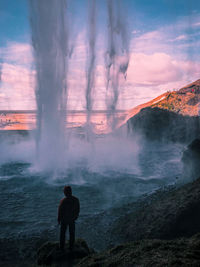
x=68 y=212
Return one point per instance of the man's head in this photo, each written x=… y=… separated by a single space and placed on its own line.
x=67 y=190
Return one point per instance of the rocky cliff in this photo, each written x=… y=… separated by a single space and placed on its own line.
x=173 y=116
x=163 y=125
x=185 y=101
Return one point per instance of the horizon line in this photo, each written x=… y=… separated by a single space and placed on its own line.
x=71 y=111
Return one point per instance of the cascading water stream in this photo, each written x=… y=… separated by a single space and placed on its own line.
x=117 y=56
x=90 y=77
x=50 y=42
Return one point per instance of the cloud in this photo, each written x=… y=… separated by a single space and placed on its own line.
x=150 y=42
x=154 y=69
x=181 y=37
x=196 y=24
x=150 y=35
x=16 y=87
x=151 y=75
x=17 y=77
x=0 y=71
x=135 y=31
x=18 y=53
x=161 y=60
x=156 y=65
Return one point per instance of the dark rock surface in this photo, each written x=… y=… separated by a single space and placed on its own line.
x=19 y=252
x=49 y=253
x=181 y=252
x=164 y=215
x=184 y=101
x=163 y=125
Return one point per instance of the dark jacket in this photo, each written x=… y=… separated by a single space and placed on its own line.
x=68 y=210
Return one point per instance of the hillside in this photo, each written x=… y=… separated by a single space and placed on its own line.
x=163 y=125
x=172 y=116
x=184 y=101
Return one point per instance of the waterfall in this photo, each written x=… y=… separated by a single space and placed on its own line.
x=116 y=57
x=90 y=75
x=50 y=42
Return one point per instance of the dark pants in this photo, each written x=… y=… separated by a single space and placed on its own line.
x=63 y=229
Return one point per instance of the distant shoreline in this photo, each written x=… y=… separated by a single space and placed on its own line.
x=68 y=111
x=12 y=131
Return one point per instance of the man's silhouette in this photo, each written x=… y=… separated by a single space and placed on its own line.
x=68 y=212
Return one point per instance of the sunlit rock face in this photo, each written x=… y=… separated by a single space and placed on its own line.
x=184 y=101
x=172 y=116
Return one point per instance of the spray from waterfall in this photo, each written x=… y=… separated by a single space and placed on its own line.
x=116 y=57
x=50 y=36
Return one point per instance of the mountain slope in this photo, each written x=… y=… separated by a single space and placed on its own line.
x=184 y=101
x=172 y=116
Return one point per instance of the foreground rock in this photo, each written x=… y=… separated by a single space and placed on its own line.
x=49 y=253
x=168 y=213
x=183 y=252
x=165 y=215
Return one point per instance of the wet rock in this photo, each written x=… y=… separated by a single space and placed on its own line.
x=165 y=215
x=49 y=253
x=180 y=252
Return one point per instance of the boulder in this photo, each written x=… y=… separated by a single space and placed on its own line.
x=180 y=252
x=167 y=214
x=49 y=253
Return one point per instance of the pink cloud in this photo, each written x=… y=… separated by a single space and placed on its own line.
x=197 y=24
x=150 y=42
x=181 y=37
x=150 y=35
x=151 y=75
x=16 y=87
x=155 y=69
x=17 y=79
x=20 y=53
x=16 y=75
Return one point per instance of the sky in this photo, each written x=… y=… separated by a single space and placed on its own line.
x=164 y=41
